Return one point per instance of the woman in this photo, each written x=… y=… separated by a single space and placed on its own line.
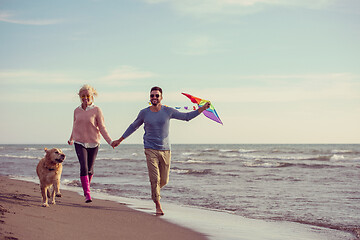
x=87 y=127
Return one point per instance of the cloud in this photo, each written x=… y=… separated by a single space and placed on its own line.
x=39 y=86
x=206 y=7
x=11 y=18
x=38 y=96
x=121 y=96
x=54 y=95
x=17 y=77
x=126 y=73
x=35 y=86
x=196 y=45
x=121 y=76
x=277 y=79
x=287 y=88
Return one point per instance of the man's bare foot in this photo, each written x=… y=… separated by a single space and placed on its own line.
x=159 y=210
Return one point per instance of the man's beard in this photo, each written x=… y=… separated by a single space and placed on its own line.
x=155 y=102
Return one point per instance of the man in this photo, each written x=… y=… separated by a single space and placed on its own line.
x=156 y=119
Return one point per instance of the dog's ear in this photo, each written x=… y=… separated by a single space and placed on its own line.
x=46 y=150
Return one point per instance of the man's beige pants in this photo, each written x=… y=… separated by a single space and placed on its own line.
x=158 y=162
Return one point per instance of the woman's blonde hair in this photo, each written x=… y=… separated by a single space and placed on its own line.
x=89 y=88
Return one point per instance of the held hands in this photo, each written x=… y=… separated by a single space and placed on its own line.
x=116 y=143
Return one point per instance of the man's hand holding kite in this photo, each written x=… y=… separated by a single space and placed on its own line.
x=209 y=112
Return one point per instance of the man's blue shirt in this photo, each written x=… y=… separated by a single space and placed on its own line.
x=156 y=126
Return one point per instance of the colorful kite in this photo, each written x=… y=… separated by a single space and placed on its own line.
x=210 y=112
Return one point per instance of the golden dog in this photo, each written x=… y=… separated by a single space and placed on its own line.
x=49 y=171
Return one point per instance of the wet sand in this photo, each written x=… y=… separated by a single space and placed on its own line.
x=23 y=217
x=111 y=217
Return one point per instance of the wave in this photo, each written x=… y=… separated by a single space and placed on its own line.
x=354 y=229
x=336 y=157
x=228 y=155
x=191 y=171
x=67 y=149
x=113 y=159
x=191 y=161
x=247 y=151
x=209 y=150
x=188 y=153
x=73 y=183
x=22 y=156
x=287 y=164
x=317 y=166
x=267 y=164
x=32 y=149
x=199 y=161
x=344 y=151
x=237 y=151
x=227 y=150
x=200 y=153
x=318 y=158
x=273 y=154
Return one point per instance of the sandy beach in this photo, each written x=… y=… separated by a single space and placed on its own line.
x=22 y=217
x=257 y=196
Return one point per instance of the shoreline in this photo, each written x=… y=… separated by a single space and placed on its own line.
x=201 y=223
x=23 y=217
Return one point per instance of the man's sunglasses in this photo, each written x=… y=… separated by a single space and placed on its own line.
x=154 y=95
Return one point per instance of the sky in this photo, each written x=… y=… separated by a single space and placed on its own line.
x=276 y=71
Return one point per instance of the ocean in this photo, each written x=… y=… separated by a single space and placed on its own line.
x=316 y=184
